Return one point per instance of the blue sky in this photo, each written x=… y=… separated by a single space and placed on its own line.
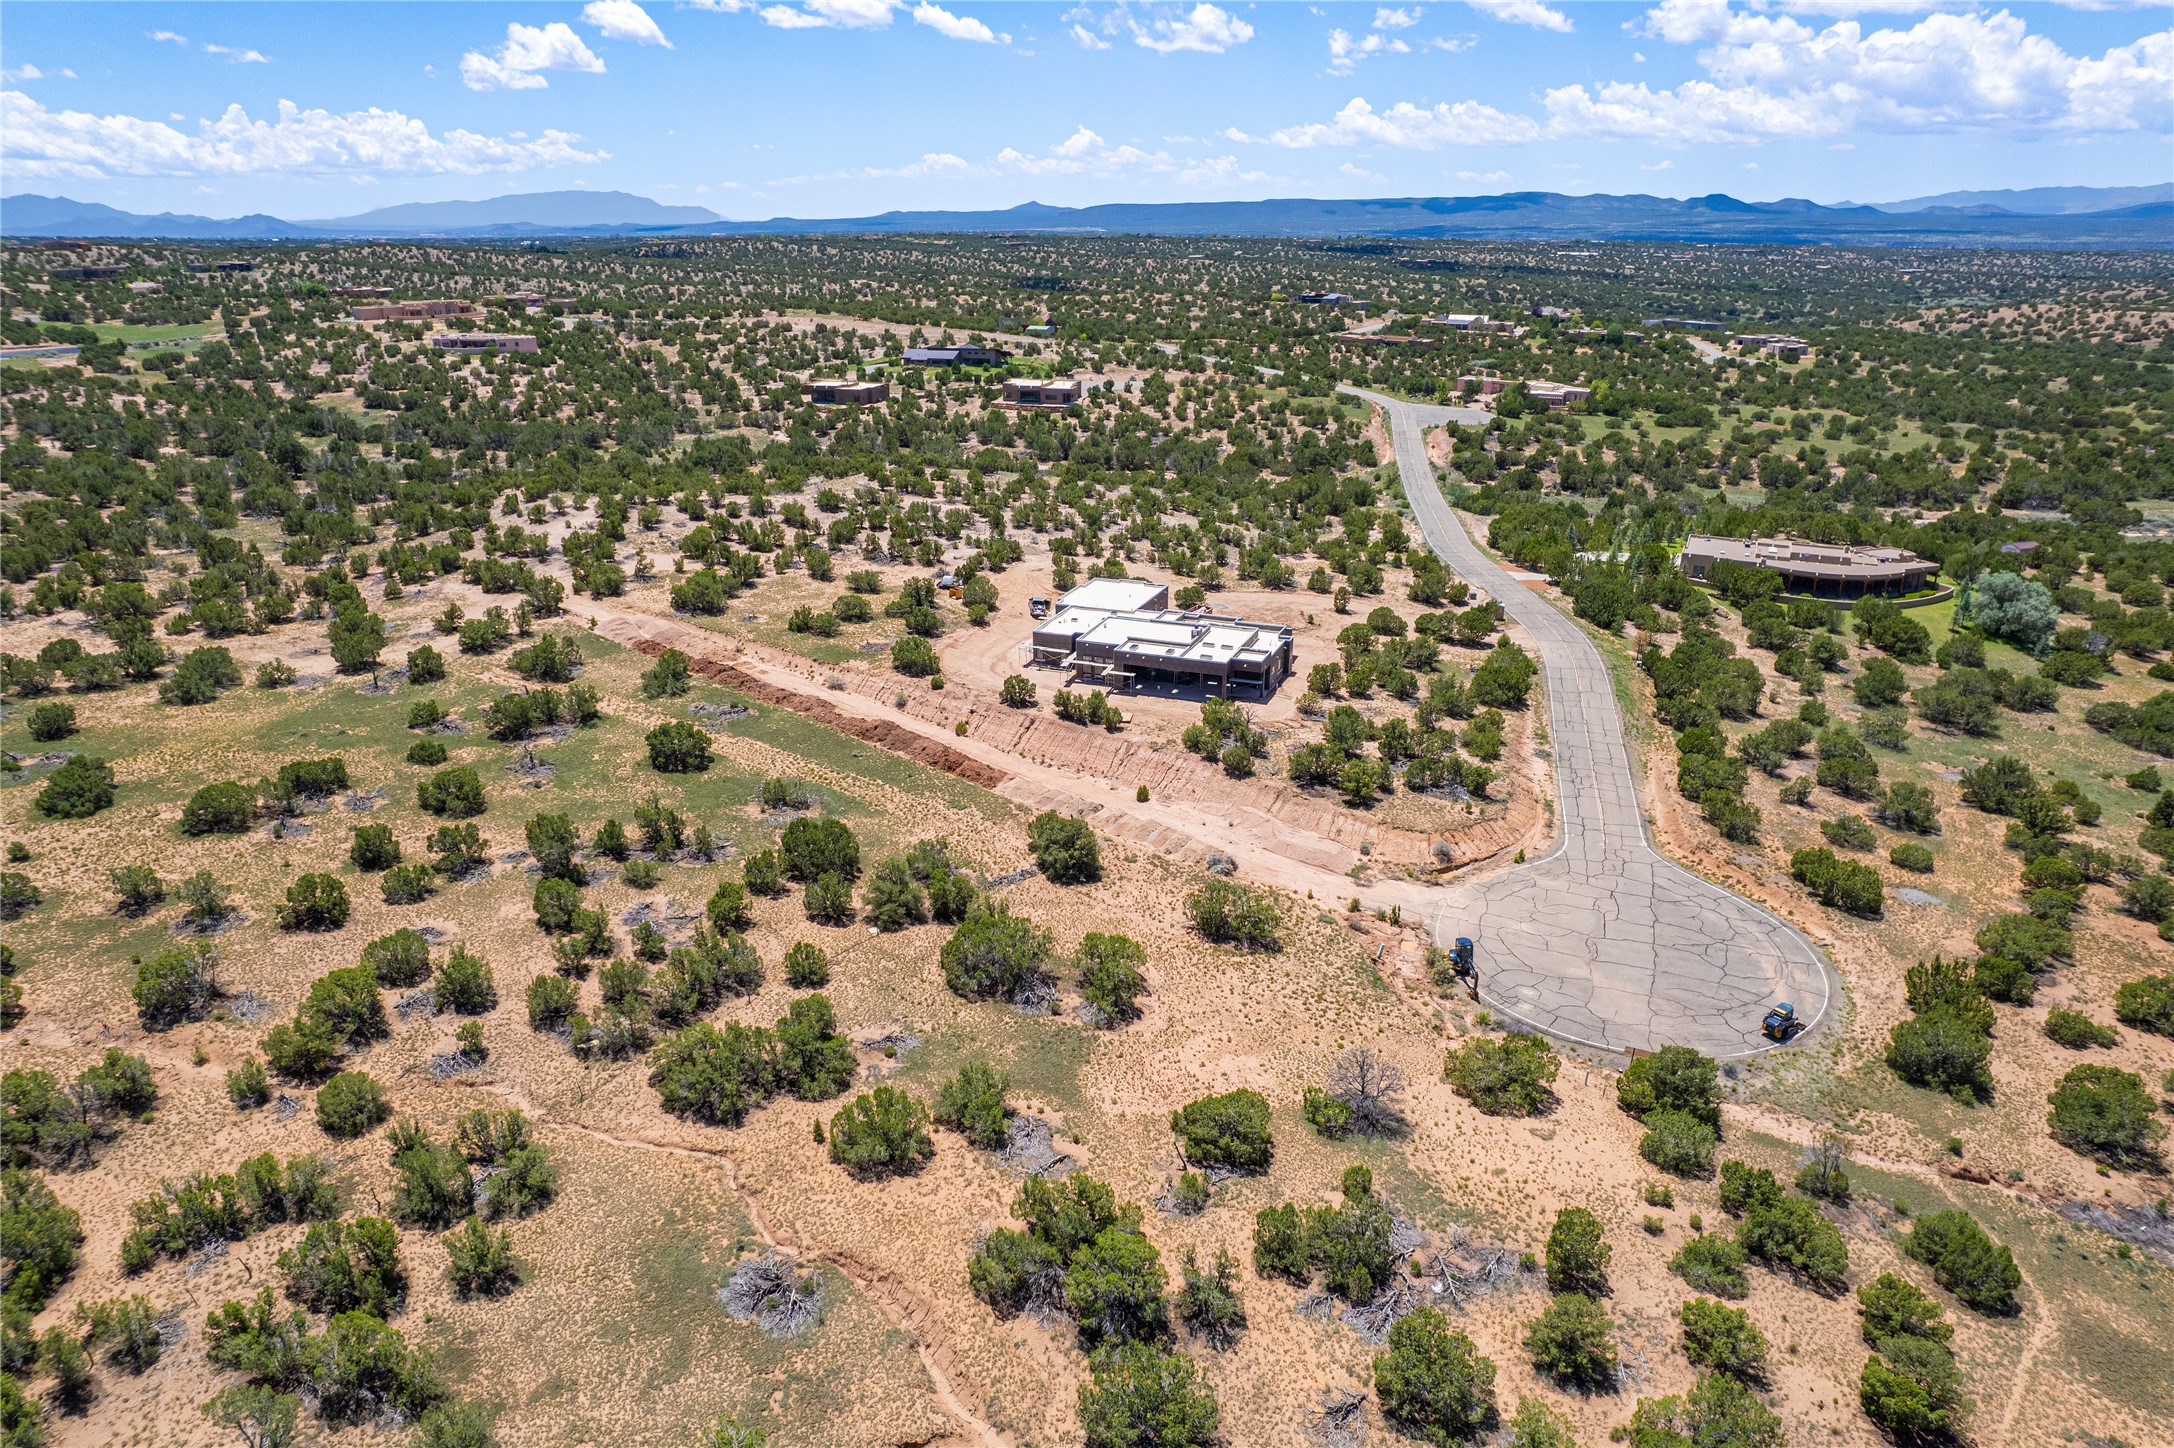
x=845 y=107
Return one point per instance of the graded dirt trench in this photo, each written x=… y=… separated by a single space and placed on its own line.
x=1604 y=942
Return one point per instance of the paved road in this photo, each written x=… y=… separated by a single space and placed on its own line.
x=1605 y=941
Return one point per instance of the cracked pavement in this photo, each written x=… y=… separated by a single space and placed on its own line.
x=1605 y=941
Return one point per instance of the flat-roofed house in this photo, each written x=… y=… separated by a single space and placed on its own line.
x=476 y=343
x=956 y=356
x=414 y=311
x=1121 y=631
x=848 y=392
x=1815 y=570
x=1388 y=339
x=1051 y=394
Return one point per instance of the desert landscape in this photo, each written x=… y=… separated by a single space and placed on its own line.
x=550 y=901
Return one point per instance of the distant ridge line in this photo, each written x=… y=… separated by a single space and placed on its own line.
x=2140 y=217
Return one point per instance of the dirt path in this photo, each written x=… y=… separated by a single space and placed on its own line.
x=2042 y=1332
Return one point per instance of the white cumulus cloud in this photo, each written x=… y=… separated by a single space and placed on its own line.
x=237 y=55
x=872 y=15
x=1086 y=39
x=956 y=27
x=830 y=15
x=1407 y=127
x=1523 y=12
x=1398 y=19
x=1207 y=28
x=39 y=142
x=1772 y=77
x=25 y=71
x=527 y=53
x=623 y=20
x=166 y=37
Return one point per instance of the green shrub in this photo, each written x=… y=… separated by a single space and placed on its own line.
x=1674 y=1078
x=1432 y=1382
x=219 y=809
x=2077 y=1031
x=1944 y=1051
x=1963 y=1259
x=1209 y=1303
x=811 y=848
x=1109 y=975
x=1842 y=884
x=1719 y=1412
x=1228 y=1131
x=1722 y=1338
x=1912 y=1392
x=678 y=748
x=1113 y=1286
x=1789 y=1233
x=2147 y=1004
x=1510 y=1077
x=1678 y=1143
x=1139 y=1394
x=373 y=848
x=1848 y=832
x=972 y=1104
x=350 y=1104
x=464 y=985
x=77 y=790
x=1894 y=1307
x=881 y=1133
x=993 y=954
x=455 y=793
x=1229 y=914
x=1573 y=1342
x=806 y=967
x=1064 y=849
x=1713 y=1263
x=51 y=721
x=314 y=902
x=427 y=752
x=2105 y=1112
x=1577 y=1253
x=1911 y=856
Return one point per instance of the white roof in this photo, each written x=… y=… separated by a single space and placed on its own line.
x=1112 y=595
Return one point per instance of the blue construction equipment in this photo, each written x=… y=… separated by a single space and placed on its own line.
x=1781 y=1022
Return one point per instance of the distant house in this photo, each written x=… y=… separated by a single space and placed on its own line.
x=414 y=311
x=2026 y=545
x=1388 y=339
x=845 y=392
x=956 y=356
x=86 y=273
x=1329 y=299
x=145 y=289
x=1039 y=394
x=1687 y=324
x=1815 y=570
x=373 y=294
x=1773 y=344
x=1554 y=396
x=471 y=344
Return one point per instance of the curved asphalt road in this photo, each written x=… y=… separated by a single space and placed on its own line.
x=1604 y=942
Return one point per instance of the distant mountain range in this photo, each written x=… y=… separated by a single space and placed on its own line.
x=2042 y=200
x=2132 y=216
